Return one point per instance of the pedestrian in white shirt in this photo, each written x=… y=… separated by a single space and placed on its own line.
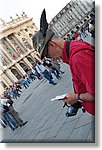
x=42 y=70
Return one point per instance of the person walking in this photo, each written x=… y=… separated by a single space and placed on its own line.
x=50 y=65
x=35 y=72
x=8 y=105
x=42 y=70
x=6 y=116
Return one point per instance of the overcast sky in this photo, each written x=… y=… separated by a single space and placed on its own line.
x=32 y=8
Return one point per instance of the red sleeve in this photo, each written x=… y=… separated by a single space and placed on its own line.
x=84 y=67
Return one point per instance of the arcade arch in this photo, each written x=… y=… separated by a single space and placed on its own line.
x=16 y=73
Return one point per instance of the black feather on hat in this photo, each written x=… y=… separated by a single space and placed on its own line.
x=41 y=38
x=43 y=23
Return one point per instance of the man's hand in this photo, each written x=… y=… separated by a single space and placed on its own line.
x=71 y=98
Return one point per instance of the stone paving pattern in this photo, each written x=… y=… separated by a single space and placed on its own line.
x=46 y=120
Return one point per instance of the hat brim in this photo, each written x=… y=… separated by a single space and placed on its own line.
x=49 y=35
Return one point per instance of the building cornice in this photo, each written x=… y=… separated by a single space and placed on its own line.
x=11 y=26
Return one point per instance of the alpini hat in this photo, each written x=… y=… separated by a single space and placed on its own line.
x=41 y=38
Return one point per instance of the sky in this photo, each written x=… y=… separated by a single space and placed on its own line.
x=32 y=8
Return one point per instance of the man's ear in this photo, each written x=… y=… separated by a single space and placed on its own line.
x=50 y=44
x=53 y=44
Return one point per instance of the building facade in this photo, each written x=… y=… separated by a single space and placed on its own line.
x=16 y=49
x=75 y=13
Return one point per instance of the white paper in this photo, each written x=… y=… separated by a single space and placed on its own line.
x=60 y=97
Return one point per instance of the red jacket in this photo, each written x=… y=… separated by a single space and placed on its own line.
x=82 y=66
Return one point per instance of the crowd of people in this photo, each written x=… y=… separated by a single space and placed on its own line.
x=46 y=68
x=87 y=29
x=43 y=69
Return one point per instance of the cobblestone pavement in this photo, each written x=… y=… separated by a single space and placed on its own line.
x=46 y=120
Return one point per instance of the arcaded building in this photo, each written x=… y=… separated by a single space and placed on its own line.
x=16 y=49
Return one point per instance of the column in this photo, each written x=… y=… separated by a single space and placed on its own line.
x=11 y=46
x=28 y=45
x=11 y=75
x=1 y=89
x=6 y=80
x=24 y=50
x=27 y=36
x=20 y=69
x=27 y=62
x=6 y=54
x=32 y=55
x=37 y=56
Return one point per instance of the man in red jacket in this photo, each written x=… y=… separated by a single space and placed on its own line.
x=78 y=54
x=82 y=64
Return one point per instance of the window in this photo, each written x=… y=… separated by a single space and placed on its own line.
x=63 y=10
x=23 y=39
x=30 y=35
x=59 y=15
x=68 y=6
x=71 y=3
x=26 y=30
x=32 y=27
x=55 y=19
x=18 y=33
